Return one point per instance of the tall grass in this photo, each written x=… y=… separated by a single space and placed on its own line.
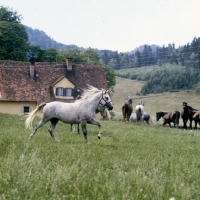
x=129 y=162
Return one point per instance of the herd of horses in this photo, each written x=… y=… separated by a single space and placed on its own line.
x=188 y=114
x=93 y=100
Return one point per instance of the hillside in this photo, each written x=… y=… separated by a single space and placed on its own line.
x=38 y=37
x=165 y=78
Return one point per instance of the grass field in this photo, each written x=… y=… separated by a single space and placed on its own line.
x=129 y=162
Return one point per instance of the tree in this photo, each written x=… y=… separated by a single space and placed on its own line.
x=72 y=53
x=110 y=77
x=7 y=14
x=90 y=56
x=13 y=41
x=13 y=37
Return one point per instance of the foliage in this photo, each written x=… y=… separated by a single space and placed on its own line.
x=13 y=37
x=132 y=165
x=71 y=53
x=166 y=80
x=197 y=90
x=110 y=77
x=13 y=41
x=7 y=14
x=90 y=56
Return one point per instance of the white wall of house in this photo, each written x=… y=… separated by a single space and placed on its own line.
x=16 y=108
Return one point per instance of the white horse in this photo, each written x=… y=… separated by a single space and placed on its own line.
x=82 y=111
x=144 y=117
x=139 y=110
x=100 y=109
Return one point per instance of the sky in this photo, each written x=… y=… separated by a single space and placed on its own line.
x=117 y=25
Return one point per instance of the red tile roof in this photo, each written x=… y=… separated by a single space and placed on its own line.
x=16 y=83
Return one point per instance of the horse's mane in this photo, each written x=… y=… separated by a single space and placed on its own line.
x=91 y=90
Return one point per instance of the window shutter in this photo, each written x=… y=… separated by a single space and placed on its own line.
x=72 y=92
x=57 y=89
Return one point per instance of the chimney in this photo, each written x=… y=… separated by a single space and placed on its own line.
x=69 y=64
x=32 y=70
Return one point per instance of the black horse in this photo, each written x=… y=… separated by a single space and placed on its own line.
x=169 y=117
x=127 y=109
x=187 y=114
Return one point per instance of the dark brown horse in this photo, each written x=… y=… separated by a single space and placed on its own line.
x=169 y=117
x=196 y=118
x=127 y=110
x=187 y=114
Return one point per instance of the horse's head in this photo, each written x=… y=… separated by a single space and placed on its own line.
x=106 y=100
x=158 y=116
x=130 y=101
x=185 y=106
x=141 y=103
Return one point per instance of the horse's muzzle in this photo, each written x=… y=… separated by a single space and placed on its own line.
x=109 y=106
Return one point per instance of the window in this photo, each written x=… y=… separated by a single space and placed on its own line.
x=59 y=91
x=67 y=92
x=26 y=109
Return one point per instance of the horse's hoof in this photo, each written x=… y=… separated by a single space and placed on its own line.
x=99 y=137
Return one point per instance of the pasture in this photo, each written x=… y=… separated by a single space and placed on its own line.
x=129 y=162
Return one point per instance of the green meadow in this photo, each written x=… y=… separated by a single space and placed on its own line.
x=131 y=161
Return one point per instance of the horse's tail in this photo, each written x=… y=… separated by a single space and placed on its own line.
x=31 y=116
x=177 y=118
x=152 y=121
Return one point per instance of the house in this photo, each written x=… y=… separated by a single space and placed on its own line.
x=24 y=85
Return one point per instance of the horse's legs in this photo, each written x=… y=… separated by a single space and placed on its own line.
x=195 y=127
x=41 y=123
x=92 y=121
x=191 y=124
x=54 y=121
x=71 y=127
x=84 y=129
x=76 y=128
x=185 y=123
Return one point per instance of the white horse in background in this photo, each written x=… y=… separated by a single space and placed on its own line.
x=82 y=111
x=144 y=117
x=139 y=110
